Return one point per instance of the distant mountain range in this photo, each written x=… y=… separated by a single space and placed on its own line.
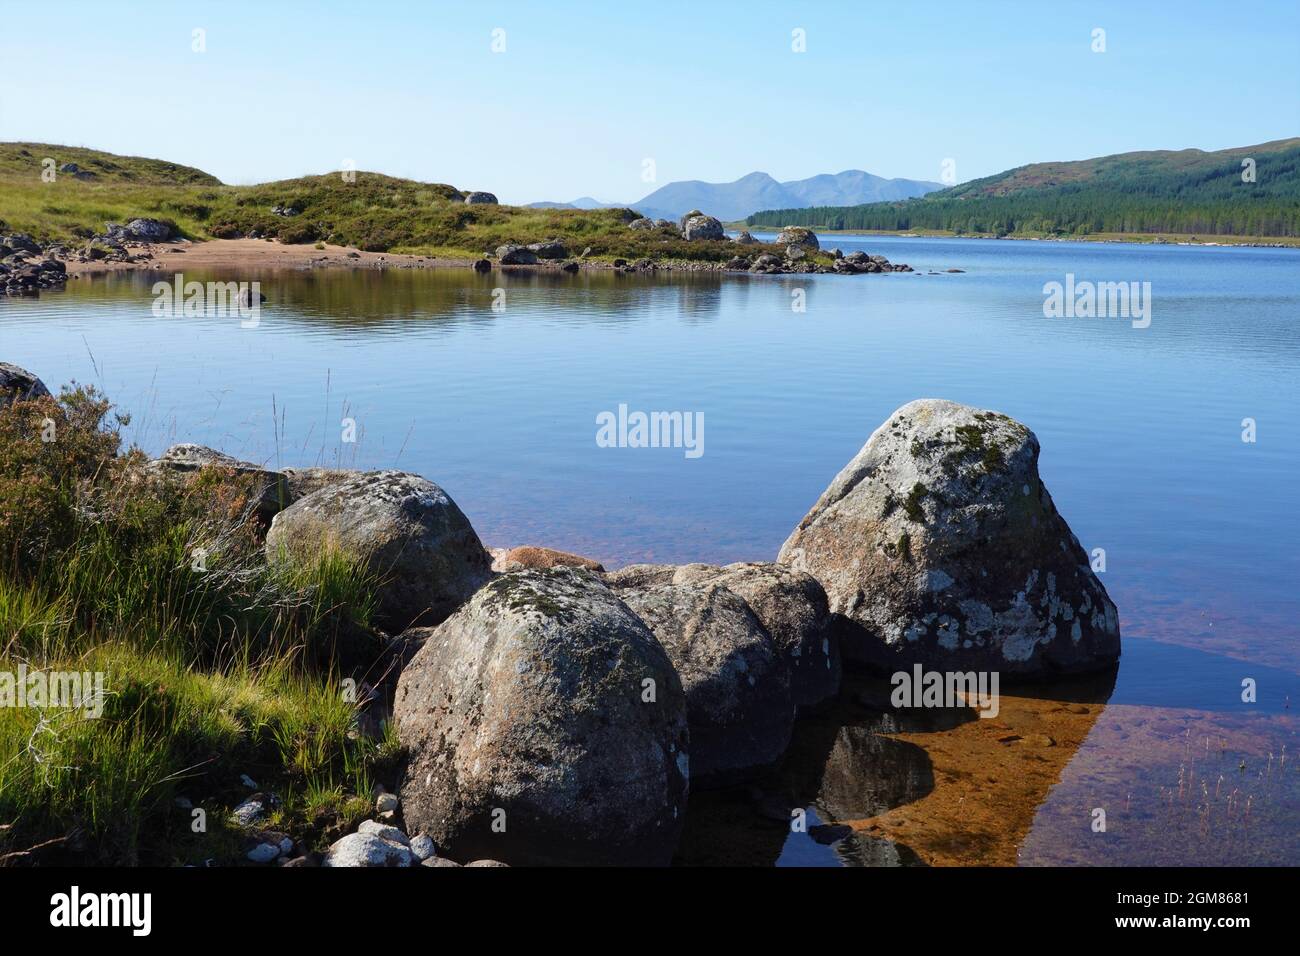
x=1249 y=191
x=749 y=194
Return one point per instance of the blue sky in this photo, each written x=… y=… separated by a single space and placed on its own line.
x=585 y=92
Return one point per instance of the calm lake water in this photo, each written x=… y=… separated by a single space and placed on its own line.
x=1141 y=431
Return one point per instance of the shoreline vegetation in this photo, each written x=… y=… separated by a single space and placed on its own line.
x=78 y=204
x=328 y=667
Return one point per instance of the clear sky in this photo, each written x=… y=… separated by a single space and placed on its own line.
x=584 y=93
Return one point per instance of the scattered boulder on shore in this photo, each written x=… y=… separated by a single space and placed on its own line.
x=698 y=226
x=20 y=242
x=513 y=254
x=642 y=223
x=528 y=556
x=744 y=238
x=790 y=604
x=478 y=198
x=544 y=724
x=409 y=532
x=859 y=262
x=21 y=274
x=798 y=236
x=550 y=249
x=19 y=385
x=150 y=230
x=938 y=544
x=139 y=230
x=270 y=488
x=737 y=683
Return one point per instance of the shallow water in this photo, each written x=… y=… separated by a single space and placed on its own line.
x=1141 y=431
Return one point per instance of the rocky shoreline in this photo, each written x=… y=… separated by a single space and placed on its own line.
x=27 y=266
x=552 y=712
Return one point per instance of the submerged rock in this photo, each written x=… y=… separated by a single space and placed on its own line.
x=527 y=556
x=544 y=724
x=939 y=545
x=406 y=529
x=737 y=683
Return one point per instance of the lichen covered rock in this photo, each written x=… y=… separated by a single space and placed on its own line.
x=544 y=724
x=736 y=679
x=939 y=544
x=790 y=604
x=408 y=532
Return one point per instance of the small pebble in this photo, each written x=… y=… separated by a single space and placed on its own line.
x=263 y=853
x=423 y=847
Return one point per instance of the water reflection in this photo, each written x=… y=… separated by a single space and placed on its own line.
x=885 y=786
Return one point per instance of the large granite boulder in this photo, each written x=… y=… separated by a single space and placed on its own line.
x=544 y=724
x=939 y=545
x=736 y=679
x=798 y=236
x=550 y=249
x=790 y=604
x=269 y=489
x=150 y=230
x=513 y=254
x=700 y=226
x=407 y=530
x=479 y=198
x=19 y=385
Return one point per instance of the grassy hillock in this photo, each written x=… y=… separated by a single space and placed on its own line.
x=212 y=670
x=1188 y=192
x=373 y=212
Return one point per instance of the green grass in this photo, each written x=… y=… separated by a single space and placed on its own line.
x=229 y=668
x=374 y=212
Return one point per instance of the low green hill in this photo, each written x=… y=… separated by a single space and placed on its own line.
x=27 y=160
x=1187 y=192
x=368 y=211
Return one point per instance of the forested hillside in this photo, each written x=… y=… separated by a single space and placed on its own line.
x=1247 y=191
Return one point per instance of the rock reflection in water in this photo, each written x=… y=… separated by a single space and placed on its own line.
x=881 y=786
x=838 y=767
